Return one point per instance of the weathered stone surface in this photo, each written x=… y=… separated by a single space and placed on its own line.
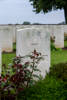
x=6 y=38
x=29 y=39
x=13 y=33
x=59 y=36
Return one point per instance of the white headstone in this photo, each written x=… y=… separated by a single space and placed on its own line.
x=31 y=38
x=6 y=38
x=51 y=30
x=59 y=36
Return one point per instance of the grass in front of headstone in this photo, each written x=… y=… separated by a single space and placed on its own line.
x=7 y=57
x=59 y=56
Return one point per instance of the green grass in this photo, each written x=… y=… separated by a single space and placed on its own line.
x=58 y=56
x=47 y=89
x=7 y=57
x=65 y=43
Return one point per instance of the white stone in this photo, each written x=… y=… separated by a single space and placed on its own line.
x=14 y=33
x=59 y=36
x=23 y=26
x=51 y=30
x=6 y=38
x=33 y=38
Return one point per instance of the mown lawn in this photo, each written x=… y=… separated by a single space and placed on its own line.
x=7 y=57
x=58 y=56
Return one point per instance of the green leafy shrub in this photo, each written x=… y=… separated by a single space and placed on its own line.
x=47 y=89
x=53 y=87
x=19 y=75
x=59 y=71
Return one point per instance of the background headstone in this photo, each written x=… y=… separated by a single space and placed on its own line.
x=59 y=36
x=6 y=38
x=13 y=33
x=51 y=30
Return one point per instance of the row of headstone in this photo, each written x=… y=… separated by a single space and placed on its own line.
x=56 y=31
x=8 y=34
x=29 y=38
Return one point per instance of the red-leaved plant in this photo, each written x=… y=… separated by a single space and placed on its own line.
x=19 y=75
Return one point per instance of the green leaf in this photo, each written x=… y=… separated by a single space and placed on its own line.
x=36 y=70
